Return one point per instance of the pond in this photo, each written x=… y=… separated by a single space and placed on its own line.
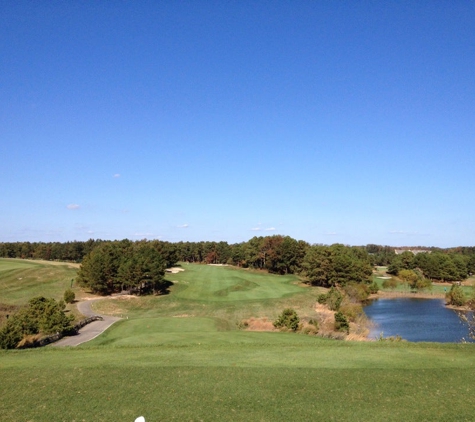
x=416 y=320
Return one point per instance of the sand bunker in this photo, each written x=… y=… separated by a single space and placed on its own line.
x=174 y=270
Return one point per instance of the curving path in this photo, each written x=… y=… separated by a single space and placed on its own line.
x=89 y=331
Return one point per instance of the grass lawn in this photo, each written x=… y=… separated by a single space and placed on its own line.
x=181 y=357
x=209 y=283
x=217 y=292
x=249 y=377
x=20 y=280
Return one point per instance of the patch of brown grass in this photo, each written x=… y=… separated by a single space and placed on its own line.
x=258 y=324
x=28 y=341
x=359 y=328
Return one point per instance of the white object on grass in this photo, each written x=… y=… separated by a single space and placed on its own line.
x=140 y=419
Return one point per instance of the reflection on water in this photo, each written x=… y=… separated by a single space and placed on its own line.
x=416 y=320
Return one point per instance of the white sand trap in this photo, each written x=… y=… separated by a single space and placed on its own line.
x=174 y=270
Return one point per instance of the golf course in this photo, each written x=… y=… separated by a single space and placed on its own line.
x=189 y=356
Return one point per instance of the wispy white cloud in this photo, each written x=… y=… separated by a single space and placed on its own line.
x=270 y=229
x=116 y=176
x=183 y=226
x=73 y=207
x=256 y=229
x=330 y=233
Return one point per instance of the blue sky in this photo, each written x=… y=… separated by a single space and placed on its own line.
x=349 y=122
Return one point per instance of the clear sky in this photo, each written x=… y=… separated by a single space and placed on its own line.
x=328 y=121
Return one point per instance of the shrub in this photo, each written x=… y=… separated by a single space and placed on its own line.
x=313 y=322
x=322 y=299
x=334 y=299
x=410 y=277
x=310 y=330
x=287 y=319
x=341 y=323
x=390 y=283
x=373 y=288
x=357 y=292
x=456 y=296
x=423 y=283
x=41 y=316
x=69 y=296
x=351 y=310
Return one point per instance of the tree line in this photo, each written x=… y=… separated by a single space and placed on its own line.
x=435 y=265
x=111 y=266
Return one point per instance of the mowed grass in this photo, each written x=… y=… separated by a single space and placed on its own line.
x=180 y=357
x=210 y=283
x=274 y=377
x=20 y=280
x=229 y=295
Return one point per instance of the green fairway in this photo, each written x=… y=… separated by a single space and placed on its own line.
x=209 y=283
x=182 y=357
x=20 y=280
x=226 y=294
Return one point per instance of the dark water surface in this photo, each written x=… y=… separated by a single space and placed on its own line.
x=416 y=320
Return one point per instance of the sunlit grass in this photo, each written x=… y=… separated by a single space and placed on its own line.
x=262 y=376
x=21 y=280
x=181 y=357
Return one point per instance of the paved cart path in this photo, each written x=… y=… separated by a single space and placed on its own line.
x=89 y=331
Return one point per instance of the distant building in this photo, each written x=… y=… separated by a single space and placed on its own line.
x=414 y=251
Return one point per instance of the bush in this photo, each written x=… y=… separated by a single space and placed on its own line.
x=423 y=283
x=41 y=316
x=310 y=330
x=69 y=296
x=373 y=288
x=322 y=299
x=357 y=292
x=456 y=296
x=390 y=283
x=312 y=327
x=351 y=310
x=313 y=322
x=333 y=299
x=341 y=323
x=287 y=319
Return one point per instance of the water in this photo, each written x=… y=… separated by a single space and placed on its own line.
x=416 y=320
